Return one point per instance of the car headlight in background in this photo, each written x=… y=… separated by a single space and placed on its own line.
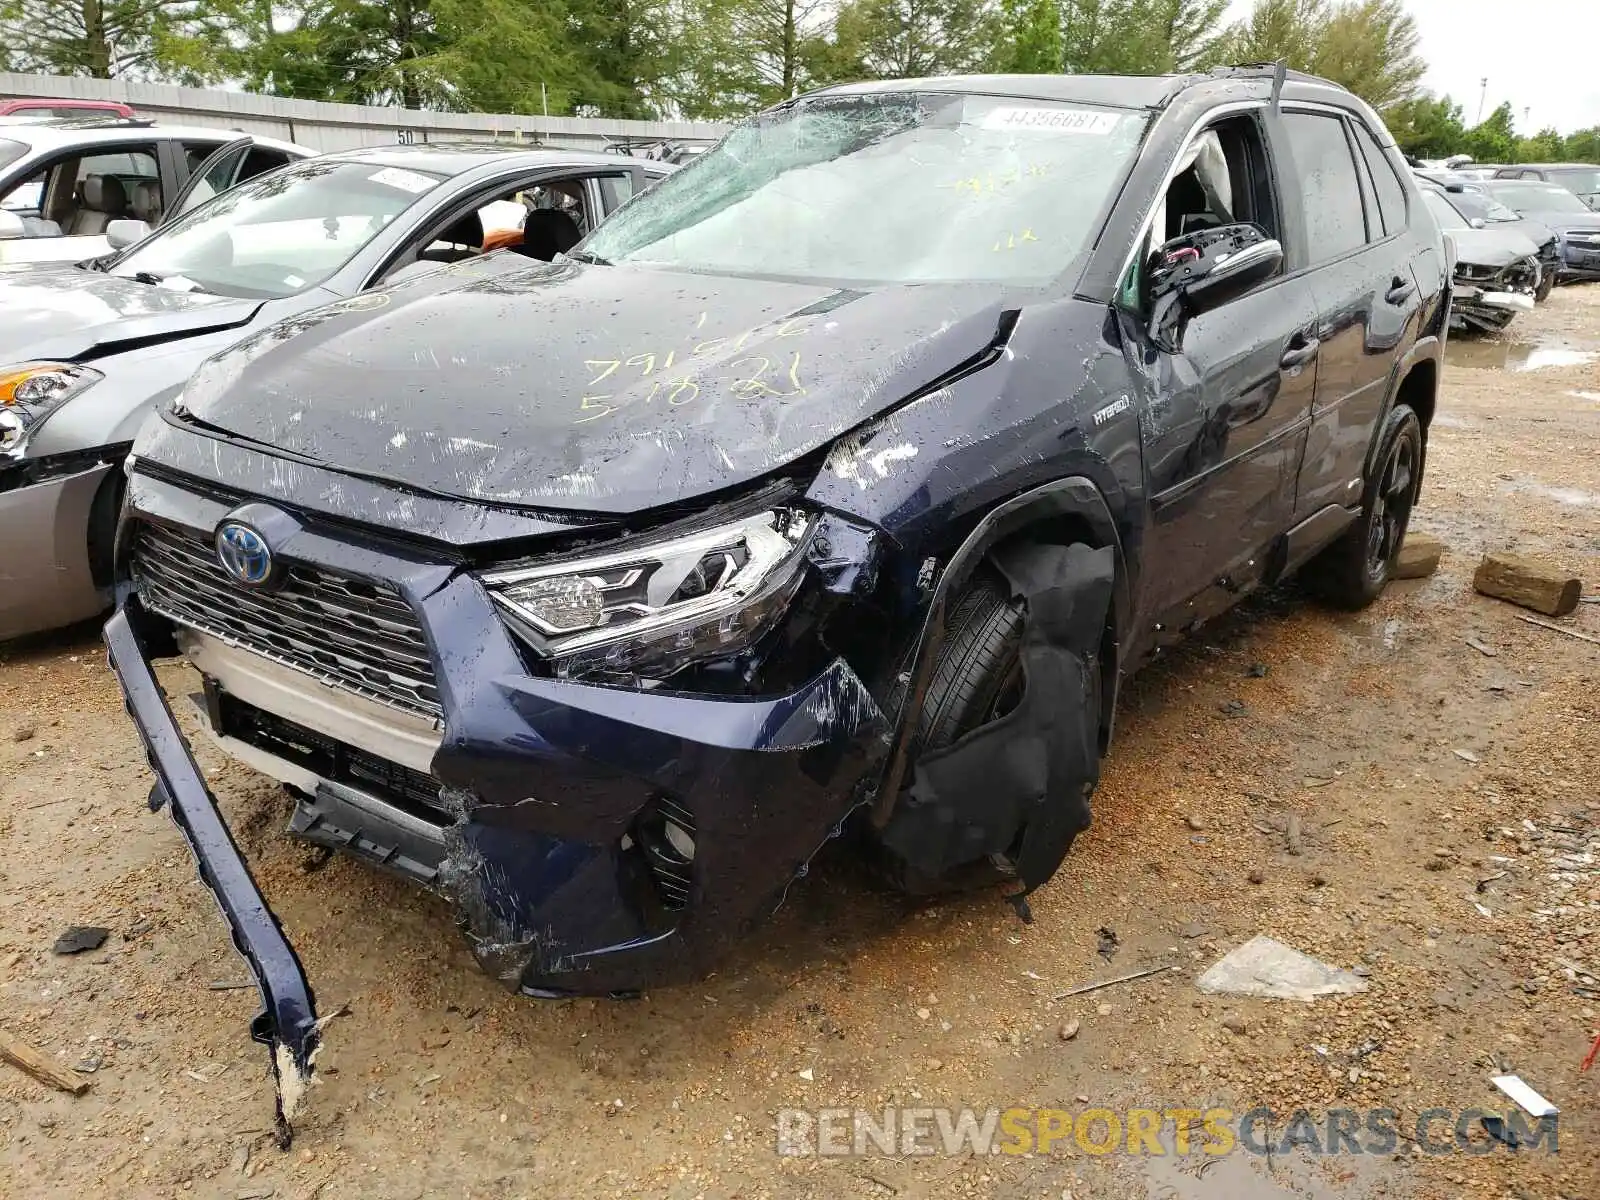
x=654 y=608
x=29 y=392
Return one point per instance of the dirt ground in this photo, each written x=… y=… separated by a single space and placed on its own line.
x=1449 y=805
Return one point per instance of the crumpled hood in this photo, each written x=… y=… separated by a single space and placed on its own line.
x=57 y=311
x=1492 y=247
x=586 y=388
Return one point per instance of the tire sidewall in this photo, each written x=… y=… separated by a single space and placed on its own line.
x=1402 y=423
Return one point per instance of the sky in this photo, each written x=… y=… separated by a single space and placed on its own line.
x=1533 y=52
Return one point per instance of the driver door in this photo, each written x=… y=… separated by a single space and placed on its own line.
x=1225 y=413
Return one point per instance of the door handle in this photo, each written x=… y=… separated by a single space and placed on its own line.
x=1299 y=355
x=1399 y=290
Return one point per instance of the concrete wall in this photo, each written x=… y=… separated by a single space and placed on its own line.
x=343 y=126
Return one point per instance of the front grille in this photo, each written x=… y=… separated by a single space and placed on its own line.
x=409 y=790
x=350 y=633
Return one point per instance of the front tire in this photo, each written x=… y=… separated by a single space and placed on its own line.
x=1353 y=571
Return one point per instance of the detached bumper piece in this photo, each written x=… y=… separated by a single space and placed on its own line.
x=287 y=1023
x=1487 y=299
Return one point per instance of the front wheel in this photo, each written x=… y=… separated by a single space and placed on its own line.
x=1353 y=571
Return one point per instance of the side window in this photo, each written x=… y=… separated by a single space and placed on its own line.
x=1223 y=179
x=135 y=164
x=1330 y=191
x=1391 y=193
x=616 y=190
x=195 y=153
x=259 y=161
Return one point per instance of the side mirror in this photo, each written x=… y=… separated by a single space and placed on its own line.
x=124 y=233
x=1477 y=222
x=11 y=226
x=1201 y=271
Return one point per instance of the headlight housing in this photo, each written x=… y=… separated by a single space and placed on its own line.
x=29 y=392
x=657 y=607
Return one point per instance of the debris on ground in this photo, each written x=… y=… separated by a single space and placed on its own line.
x=1083 y=988
x=1419 y=557
x=1524 y=1096
x=22 y=733
x=1292 y=835
x=36 y=1063
x=1482 y=647
x=79 y=938
x=1107 y=948
x=1528 y=582
x=1069 y=1031
x=1571 y=633
x=1264 y=966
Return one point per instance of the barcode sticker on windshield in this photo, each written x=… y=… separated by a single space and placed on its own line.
x=406 y=181
x=1050 y=120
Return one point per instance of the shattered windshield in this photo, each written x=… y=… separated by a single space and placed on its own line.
x=891 y=188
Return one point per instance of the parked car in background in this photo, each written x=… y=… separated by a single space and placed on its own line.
x=1483 y=211
x=847 y=471
x=1497 y=271
x=1576 y=225
x=64 y=182
x=1581 y=179
x=53 y=107
x=86 y=351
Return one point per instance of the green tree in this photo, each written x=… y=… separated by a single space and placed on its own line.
x=1368 y=46
x=98 y=38
x=746 y=54
x=481 y=55
x=888 y=39
x=1030 y=43
x=1582 y=146
x=1140 y=37
x=1494 y=140
x=1426 y=127
x=1545 y=146
x=629 y=56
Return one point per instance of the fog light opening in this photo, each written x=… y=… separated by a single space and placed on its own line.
x=665 y=835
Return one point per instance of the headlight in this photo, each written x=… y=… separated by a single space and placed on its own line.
x=29 y=392
x=657 y=607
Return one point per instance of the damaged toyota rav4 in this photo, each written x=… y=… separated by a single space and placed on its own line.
x=832 y=485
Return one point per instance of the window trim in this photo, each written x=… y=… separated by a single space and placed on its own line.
x=1354 y=134
x=1142 y=230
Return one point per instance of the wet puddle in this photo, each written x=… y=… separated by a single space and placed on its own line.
x=1487 y=354
x=1561 y=495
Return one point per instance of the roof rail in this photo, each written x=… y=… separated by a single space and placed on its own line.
x=1272 y=70
x=91 y=121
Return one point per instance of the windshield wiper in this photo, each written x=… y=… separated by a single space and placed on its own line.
x=588 y=256
x=149 y=277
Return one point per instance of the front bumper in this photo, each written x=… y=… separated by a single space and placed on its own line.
x=1579 y=261
x=1487 y=309
x=539 y=787
x=45 y=578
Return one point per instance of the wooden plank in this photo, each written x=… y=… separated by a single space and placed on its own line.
x=25 y=1057
x=1528 y=582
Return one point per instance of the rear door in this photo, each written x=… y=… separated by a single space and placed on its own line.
x=1359 y=267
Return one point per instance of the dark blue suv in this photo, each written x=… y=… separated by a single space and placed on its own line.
x=832 y=485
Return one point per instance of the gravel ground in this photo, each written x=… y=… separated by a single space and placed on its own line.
x=1449 y=818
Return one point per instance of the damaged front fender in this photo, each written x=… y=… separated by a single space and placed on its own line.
x=1018 y=787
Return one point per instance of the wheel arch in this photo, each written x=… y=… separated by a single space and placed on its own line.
x=1067 y=510
x=1417 y=386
